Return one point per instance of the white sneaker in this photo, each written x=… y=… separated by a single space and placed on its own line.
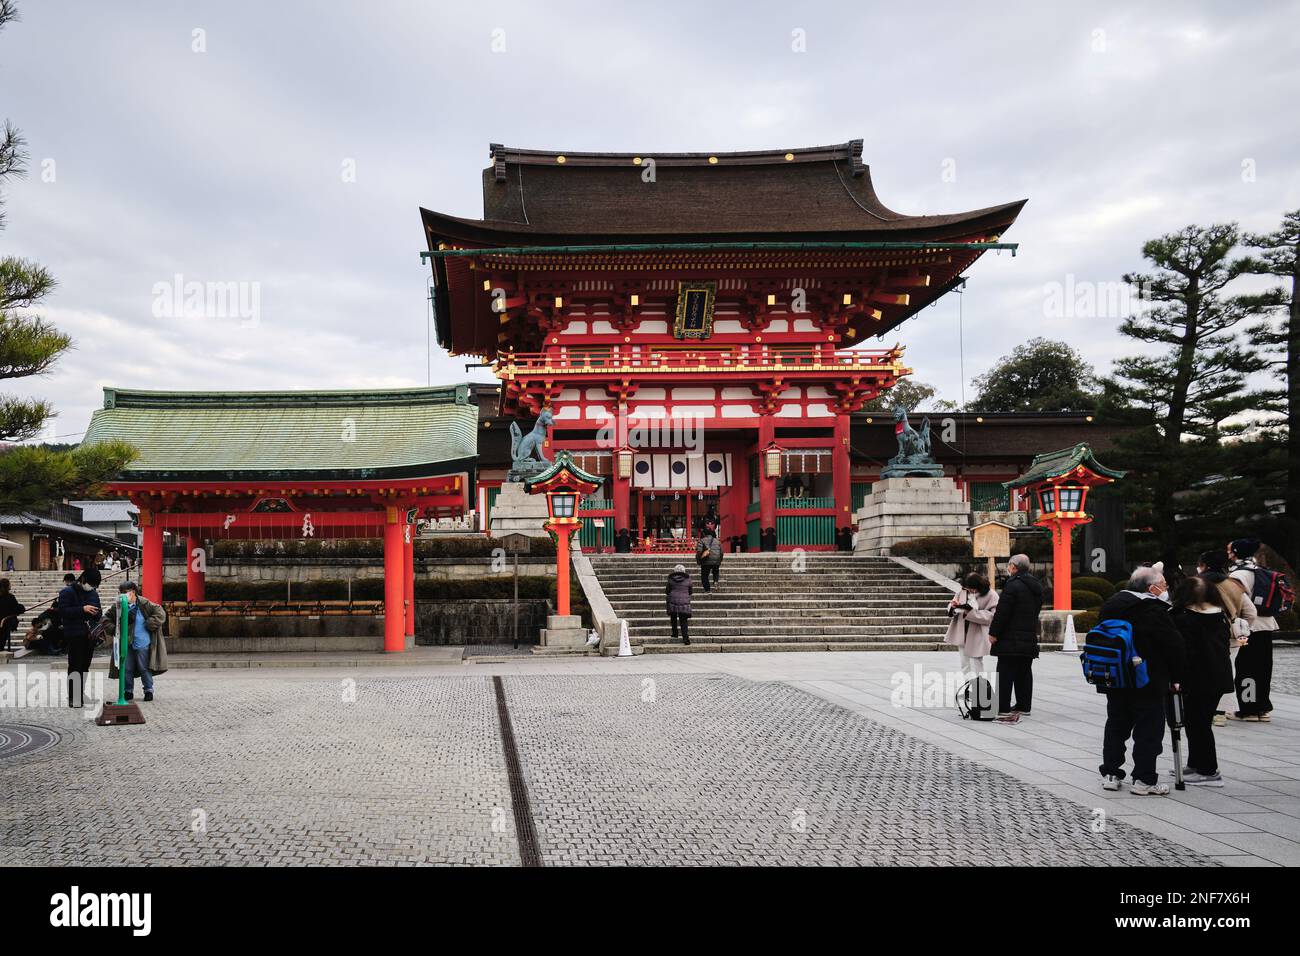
x=1110 y=782
x=1149 y=789
x=1203 y=779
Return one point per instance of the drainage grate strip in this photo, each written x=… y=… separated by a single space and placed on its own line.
x=529 y=853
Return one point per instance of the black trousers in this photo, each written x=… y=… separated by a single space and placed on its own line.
x=1140 y=716
x=684 y=621
x=1198 y=721
x=1015 y=674
x=705 y=571
x=1255 y=675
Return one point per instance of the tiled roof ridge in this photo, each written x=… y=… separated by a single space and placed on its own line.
x=852 y=149
x=144 y=398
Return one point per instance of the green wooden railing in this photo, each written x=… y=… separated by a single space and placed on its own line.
x=804 y=504
x=754 y=507
x=860 y=491
x=805 y=529
x=596 y=504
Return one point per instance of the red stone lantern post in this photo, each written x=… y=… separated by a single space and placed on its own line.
x=564 y=484
x=1060 y=481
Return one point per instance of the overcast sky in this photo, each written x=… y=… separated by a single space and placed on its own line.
x=292 y=149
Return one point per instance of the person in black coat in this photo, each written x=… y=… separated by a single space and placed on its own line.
x=1140 y=712
x=677 y=592
x=1201 y=617
x=79 y=610
x=10 y=611
x=1014 y=636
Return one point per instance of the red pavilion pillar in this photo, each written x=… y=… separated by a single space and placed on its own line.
x=394 y=584
x=408 y=580
x=766 y=485
x=840 y=480
x=151 y=558
x=195 y=580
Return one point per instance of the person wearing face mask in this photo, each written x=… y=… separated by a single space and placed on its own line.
x=971 y=611
x=1255 y=659
x=1200 y=616
x=1212 y=566
x=1140 y=712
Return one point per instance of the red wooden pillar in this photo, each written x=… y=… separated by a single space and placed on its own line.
x=562 y=535
x=766 y=485
x=394 y=584
x=151 y=560
x=840 y=475
x=195 y=580
x=408 y=580
x=1062 y=595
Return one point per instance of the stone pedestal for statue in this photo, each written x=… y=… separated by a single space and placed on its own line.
x=517 y=512
x=900 y=509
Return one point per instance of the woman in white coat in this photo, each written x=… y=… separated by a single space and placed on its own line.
x=971 y=612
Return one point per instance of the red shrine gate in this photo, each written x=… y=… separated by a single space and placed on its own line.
x=718 y=299
x=292 y=465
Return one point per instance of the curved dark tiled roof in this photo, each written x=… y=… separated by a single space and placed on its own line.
x=229 y=436
x=531 y=197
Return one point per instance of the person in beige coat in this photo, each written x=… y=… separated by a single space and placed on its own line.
x=971 y=612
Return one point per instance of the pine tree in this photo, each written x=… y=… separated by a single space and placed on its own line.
x=1278 y=255
x=1192 y=377
x=32 y=475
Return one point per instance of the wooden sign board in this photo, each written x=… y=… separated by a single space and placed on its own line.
x=991 y=539
x=515 y=543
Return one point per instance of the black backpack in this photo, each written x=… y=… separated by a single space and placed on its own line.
x=975 y=700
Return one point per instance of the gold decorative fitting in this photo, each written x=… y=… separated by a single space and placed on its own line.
x=1089 y=418
x=789 y=157
x=758 y=338
x=771 y=299
x=559 y=159
x=980 y=419
x=848 y=298
x=636 y=299
x=487 y=284
x=713 y=160
x=636 y=161
x=559 y=301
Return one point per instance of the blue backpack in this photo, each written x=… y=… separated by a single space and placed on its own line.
x=1110 y=659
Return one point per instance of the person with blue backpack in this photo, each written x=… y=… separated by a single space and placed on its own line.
x=1135 y=656
x=1271 y=594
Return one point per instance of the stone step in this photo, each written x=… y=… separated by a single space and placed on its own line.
x=769 y=647
x=717 y=606
x=793 y=632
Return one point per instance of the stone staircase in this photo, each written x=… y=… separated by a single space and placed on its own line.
x=35 y=590
x=838 y=602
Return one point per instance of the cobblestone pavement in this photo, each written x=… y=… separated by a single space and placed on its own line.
x=1286 y=669
x=621 y=768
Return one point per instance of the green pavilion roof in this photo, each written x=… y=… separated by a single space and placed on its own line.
x=1055 y=464
x=341 y=435
x=563 y=462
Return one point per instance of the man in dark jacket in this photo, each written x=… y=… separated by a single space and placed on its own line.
x=1014 y=636
x=1140 y=713
x=10 y=611
x=709 y=557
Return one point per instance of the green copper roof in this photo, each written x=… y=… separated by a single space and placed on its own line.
x=562 y=461
x=1053 y=464
x=308 y=435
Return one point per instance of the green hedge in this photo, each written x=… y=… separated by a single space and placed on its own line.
x=1095 y=585
x=1085 y=600
x=458 y=547
x=1085 y=622
x=497 y=586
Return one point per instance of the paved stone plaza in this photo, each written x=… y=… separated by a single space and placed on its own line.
x=759 y=759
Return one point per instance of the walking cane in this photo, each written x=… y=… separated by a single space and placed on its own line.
x=1175 y=731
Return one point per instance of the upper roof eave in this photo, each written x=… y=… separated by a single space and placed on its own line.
x=486 y=233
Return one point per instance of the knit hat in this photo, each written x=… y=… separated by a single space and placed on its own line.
x=680 y=569
x=1245 y=547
